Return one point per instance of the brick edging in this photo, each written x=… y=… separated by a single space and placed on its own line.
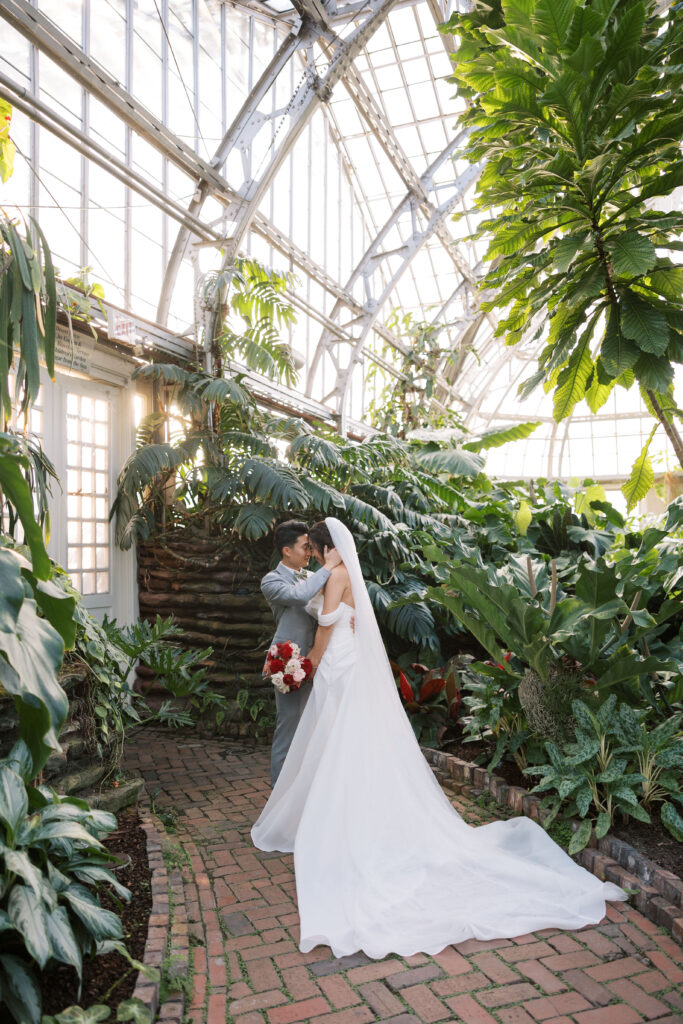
x=660 y=895
x=159 y=925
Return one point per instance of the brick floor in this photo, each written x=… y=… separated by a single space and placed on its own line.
x=237 y=909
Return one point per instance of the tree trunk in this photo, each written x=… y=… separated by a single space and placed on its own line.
x=670 y=427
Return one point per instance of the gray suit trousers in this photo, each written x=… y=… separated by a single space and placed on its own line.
x=288 y=600
x=289 y=707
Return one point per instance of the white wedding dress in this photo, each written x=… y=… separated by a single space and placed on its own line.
x=383 y=862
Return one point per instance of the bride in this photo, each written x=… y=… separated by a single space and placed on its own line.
x=383 y=862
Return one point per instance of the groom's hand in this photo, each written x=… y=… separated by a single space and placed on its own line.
x=332 y=558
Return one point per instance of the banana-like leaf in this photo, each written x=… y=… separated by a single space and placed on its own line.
x=642 y=475
x=496 y=438
x=18 y=493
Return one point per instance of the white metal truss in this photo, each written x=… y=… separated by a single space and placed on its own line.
x=419 y=216
x=381 y=268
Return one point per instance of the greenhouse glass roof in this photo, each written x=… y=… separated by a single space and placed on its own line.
x=158 y=139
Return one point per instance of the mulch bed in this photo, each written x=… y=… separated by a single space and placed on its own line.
x=101 y=973
x=652 y=840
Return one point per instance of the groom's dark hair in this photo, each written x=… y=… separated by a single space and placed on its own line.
x=287 y=534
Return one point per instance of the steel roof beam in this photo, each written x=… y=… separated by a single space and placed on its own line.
x=377 y=286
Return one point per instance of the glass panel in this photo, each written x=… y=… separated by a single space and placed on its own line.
x=88 y=493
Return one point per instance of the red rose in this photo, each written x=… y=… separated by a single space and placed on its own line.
x=276 y=665
x=307 y=666
x=285 y=651
x=288 y=679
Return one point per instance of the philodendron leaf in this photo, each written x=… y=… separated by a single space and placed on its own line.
x=35 y=653
x=133 y=1011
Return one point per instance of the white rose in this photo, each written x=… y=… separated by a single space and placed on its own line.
x=292 y=666
x=278 y=681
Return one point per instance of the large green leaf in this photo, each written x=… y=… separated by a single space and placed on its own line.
x=11 y=590
x=35 y=654
x=572 y=382
x=496 y=438
x=13 y=800
x=672 y=820
x=551 y=19
x=642 y=476
x=18 y=493
x=27 y=913
x=632 y=254
x=450 y=460
x=20 y=990
x=617 y=352
x=270 y=480
x=62 y=940
x=18 y=862
x=254 y=521
x=101 y=924
x=644 y=324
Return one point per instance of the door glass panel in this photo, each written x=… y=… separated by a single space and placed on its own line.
x=89 y=433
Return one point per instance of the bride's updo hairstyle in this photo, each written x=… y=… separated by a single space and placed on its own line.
x=320 y=537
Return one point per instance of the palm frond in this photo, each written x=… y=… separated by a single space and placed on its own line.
x=322 y=495
x=270 y=480
x=316 y=452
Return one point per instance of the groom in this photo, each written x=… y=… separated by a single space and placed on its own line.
x=287 y=596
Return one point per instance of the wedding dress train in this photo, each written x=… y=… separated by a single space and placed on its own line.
x=383 y=862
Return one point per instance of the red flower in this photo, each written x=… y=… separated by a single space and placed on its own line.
x=276 y=665
x=288 y=679
x=508 y=655
x=307 y=666
x=285 y=651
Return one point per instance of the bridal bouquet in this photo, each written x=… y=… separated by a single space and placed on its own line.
x=286 y=667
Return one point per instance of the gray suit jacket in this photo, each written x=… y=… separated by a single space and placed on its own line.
x=287 y=601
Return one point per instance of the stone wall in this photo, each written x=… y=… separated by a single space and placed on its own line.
x=210 y=585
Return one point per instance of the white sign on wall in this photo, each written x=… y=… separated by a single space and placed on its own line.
x=75 y=352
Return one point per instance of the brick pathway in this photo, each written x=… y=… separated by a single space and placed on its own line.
x=235 y=928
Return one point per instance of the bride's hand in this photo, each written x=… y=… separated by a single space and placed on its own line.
x=332 y=558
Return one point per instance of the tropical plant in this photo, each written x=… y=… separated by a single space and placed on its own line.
x=51 y=852
x=597 y=775
x=405 y=403
x=28 y=312
x=431 y=696
x=570 y=105
x=254 y=310
x=113 y=705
